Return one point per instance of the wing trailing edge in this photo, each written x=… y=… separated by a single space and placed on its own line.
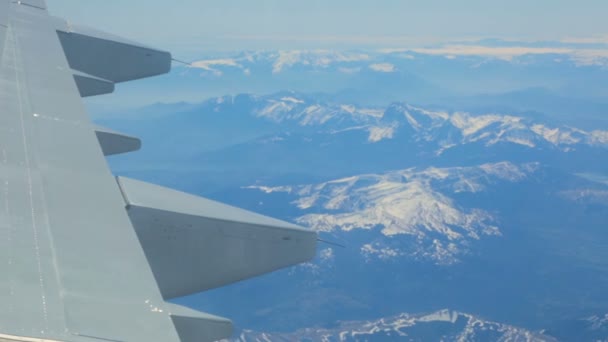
x=194 y=326
x=195 y=244
x=89 y=85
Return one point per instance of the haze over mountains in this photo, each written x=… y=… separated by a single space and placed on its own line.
x=563 y=80
x=292 y=132
x=485 y=201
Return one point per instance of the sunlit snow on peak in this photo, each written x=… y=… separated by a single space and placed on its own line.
x=411 y=202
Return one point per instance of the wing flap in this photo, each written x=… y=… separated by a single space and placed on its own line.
x=91 y=86
x=194 y=326
x=194 y=244
x=113 y=142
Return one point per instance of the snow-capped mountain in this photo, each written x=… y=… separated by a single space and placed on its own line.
x=389 y=60
x=489 y=129
x=283 y=60
x=598 y=322
x=444 y=325
x=305 y=112
x=437 y=208
x=415 y=203
x=445 y=129
x=565 y=82
x=304 y=133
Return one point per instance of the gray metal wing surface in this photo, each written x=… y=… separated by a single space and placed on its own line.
x=82 y=256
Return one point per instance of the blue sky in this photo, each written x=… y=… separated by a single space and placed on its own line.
x=188 y=26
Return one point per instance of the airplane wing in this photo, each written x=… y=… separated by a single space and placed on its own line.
x=85 y=256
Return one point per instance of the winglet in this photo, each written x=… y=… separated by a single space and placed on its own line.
x=89 y=85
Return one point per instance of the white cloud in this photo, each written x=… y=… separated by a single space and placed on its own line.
x=208 y=64
x=599 y=137
x=212 y=64
x=286 y=58
x=506 y=53
x=382 y=67
x=316 y=58
x=578 y=55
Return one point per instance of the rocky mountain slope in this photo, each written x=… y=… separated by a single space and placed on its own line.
x=415 y=203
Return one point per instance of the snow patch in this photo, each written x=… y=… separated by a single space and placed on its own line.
x=291 y=99
x=212 y=64
x=377 y=134
x=327 y=255
x=270 y=190
x=316 y=58
x=285 y=59
x=371 y=251
x=599 y=137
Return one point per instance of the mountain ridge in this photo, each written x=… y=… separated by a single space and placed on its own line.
x=441 y=325
x=416 y=203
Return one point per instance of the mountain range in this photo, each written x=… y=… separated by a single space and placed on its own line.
x=564 y=81
x=299 y=133
x=497 y=214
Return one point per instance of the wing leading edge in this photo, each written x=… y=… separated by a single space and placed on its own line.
x=86 y=257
